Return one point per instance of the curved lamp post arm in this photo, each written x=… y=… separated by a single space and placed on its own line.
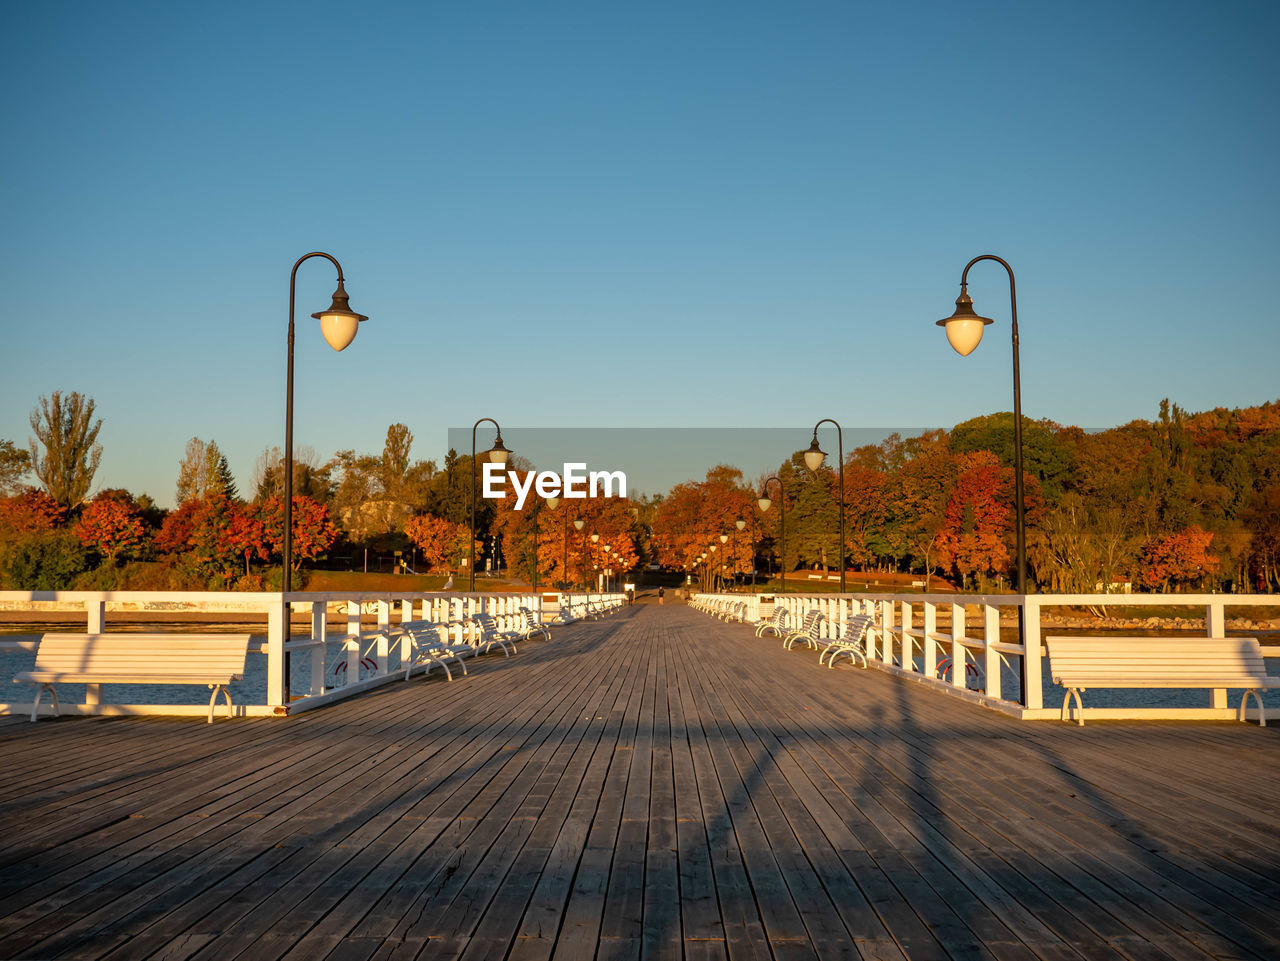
x=782 y=525
x=471 y=571
x=840 y=466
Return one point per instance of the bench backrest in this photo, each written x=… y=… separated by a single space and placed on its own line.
x=1081 y=661
x=215 y=655
x=855 y=628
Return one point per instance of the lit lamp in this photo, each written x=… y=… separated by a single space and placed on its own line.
x=813 y=458
x=339 y=325
x=964 y=330
x=497 y=454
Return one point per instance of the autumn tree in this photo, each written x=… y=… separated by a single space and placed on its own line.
x=864 y=495
x=111 y=525
x=65 y=429
x=976 y=520
x=32 y=511
x=916 y=497
x=174 y=536
x=313 y=530
x=693 y=515
x=443 y=544
x=1178 y=559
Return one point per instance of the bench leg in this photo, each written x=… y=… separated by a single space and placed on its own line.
x=1065 y=713
x=213 y=698
x=53 y=698
x=1244 y=702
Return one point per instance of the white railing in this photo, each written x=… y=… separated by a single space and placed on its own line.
x=908 y=640
x=357 y=645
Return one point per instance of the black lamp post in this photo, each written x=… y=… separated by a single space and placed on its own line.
x=495 y=455
x=578 y=525
x=964 y=330
x=339 y=324
x=553 y=502
x=535 y=548
x=765 y=503
x=595 y=556
x=724 y=539
x=813 y=458
x=738 y=524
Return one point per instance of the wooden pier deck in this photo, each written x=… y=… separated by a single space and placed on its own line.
x=655 y=785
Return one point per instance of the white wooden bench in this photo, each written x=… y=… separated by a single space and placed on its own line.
x=1079 y=663
x=850 y=641
x=95 y=659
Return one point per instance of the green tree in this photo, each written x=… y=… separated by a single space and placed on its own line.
x=15 y=464
x=204 y=471
x=42 y=561
x=65 y=428
x=1044 y=456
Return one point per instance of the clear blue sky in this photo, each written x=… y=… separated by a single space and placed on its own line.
x=657 y=214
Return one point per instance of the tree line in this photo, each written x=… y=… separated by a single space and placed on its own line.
x=1181 y=501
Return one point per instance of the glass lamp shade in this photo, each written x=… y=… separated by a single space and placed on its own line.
x=724 y=538
x=964 y=327
x=498 y=453
x=554 y=501
x=815 y=455
x=607 y=548
x=740 y=523
x=595 y=538
x=765 y=503
x=713 y=548
x=578 y=523
x=339 y=323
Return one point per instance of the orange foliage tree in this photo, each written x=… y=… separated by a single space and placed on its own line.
x=695 y=514
x=1178 y=558
x=111 y=526
x=443 y=543
x=566 y=555
x=976 y=521
x=313 y=530
x=30 y=512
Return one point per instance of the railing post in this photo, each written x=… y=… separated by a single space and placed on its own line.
x=959 y=661
x=1033 y=696
x=95 y=616
x=277 y=635
x=353 y=642
x=319 y=651
x=1215 y=623
x=990 y=656
x=928 y=648
x=908 y=645
x=383 y=642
